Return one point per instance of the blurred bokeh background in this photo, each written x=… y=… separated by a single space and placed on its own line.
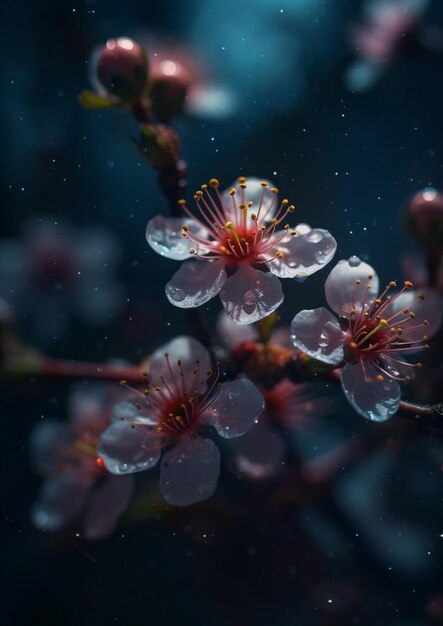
x=365 y=547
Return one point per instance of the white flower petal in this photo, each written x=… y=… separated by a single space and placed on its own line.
x=106 y=503
x=304 y=253
x=236 y=408
x=250 y=295
x=125 y=450
x=164 y=235
x=377 y=401
x=342 y=294
x=195 y=283
x=60 y=501
x=259 y=453
x=317 y=333
x=189 y=472
x=188 y=351
x=256 y=194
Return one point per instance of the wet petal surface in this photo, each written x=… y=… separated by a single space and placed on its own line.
x=250 y=295
x=375 y=400
x=317 y=333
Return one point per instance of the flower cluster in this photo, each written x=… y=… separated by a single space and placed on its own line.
x=372 y=336
x=238 y=248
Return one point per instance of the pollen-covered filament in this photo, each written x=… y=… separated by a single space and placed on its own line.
x=239 y=232
x=379 y=336
x=174 y=405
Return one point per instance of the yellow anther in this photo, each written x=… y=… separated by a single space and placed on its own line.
x=123 y=382
x=358 y=281
x=408 y=284
x=380 y=378
x=192 y=251
x=250 y=203
x=274 y=221
x=405 y=311
x=242 y=206
x=241 y=180
x=291 y=208
x=392 y=284
x=425 y=338
x=229 y=225
x=412 y=315
x=426 y=346
x=214 y=182
x=223 y=249
x=182 y=202
x=353 y=345
x=253 y=216
x=243 y=185
x=377 y=302
x=425 y=322
x=232 y=192
x=185 y=227
x=274 y=189
x=370 y=276
x=421 y=296
x=264 y=183
x=293 y=233
x=418 y=365
x=285 y=201
x=204 y=186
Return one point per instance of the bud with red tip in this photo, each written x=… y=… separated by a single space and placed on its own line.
x=122 y=69
x=424 y=219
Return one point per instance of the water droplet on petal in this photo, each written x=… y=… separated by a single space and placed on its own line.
x=324 y=339
x=354 y=261
x=314 y=236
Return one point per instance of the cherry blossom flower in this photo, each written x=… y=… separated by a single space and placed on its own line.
x=77 y=483
x=239 y=253
x=56 y=269
x=389 y=26
x=372 y=335
x=182 y=399
x=260 y=453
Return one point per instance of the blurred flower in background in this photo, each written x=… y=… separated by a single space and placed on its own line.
x=57 y=270
x=261 y=452
x=76 y=481
x=390 y=30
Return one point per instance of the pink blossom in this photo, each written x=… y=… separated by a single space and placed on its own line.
x=238 y=251
x=182 y=399
x=77 y=484
x=381 y=38
x=372 y=335
x=57 y=268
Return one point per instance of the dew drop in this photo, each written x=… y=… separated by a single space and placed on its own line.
x=324 y=339
x=354 y=261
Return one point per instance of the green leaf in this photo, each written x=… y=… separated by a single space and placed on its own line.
x=93 y=101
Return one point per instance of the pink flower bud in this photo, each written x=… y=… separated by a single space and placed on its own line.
x=170 y=81
x=424 y=219
x=122 y=69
